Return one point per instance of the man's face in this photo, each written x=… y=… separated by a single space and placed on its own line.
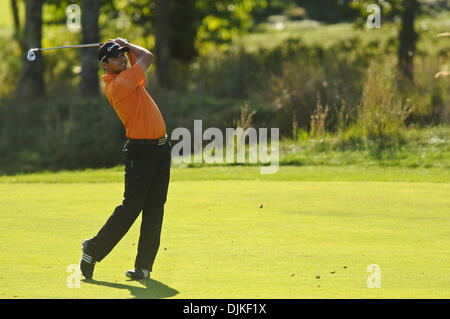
x=115 y=64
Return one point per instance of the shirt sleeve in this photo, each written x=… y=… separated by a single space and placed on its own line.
x=127 y=81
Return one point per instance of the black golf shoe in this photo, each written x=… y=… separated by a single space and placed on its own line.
x=87 y=263
x=138 y=274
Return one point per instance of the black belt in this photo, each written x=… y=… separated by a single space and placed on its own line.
x=159 y=141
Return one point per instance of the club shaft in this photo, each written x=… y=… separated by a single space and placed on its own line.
x=72 y=46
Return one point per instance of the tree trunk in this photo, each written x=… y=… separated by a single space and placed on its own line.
x=184 y=23
x=31 y=82
x=162 y=42
x=407 y=41
x=15 y=14
x=89 y=86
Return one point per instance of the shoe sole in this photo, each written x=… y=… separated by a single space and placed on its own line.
x=86 y=277
x=132 y=278
x=83 y=244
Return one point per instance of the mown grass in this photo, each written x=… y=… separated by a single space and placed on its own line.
x=224 y=173
x=234 y=239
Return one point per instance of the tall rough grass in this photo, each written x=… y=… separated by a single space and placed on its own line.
x=382 y=112
x=307 y=74
x=317 y=126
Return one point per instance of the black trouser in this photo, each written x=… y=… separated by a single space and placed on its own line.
x=147 y=173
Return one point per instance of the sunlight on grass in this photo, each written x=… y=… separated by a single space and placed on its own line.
x=218 y=242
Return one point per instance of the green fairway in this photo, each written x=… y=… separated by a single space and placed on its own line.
x=231 y=233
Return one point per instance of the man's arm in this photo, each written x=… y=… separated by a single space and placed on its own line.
x=143 y=56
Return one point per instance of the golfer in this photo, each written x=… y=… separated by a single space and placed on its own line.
x=147 y=157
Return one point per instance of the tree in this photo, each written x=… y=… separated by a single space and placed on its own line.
x=15 y=14
x=31 y=81
x=162 y=42
x=407 y=36
x=407 y=40
x=89 y=86
x=443 y=72
x=185 y=20
x=223 y=20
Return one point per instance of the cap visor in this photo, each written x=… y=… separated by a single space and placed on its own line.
x=123 y=49
x=115 y=53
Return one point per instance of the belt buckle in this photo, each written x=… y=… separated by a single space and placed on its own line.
x=162 y=141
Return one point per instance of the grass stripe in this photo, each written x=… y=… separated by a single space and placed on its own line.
x=285 y=173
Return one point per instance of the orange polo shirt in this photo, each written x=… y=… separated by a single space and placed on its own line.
x=134 y=106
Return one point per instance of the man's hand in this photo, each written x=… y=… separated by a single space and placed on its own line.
x=143 y=56
x=120 y=41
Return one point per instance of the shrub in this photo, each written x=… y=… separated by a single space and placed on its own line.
x=59 y=134
x=76 y=133
x=382 y=113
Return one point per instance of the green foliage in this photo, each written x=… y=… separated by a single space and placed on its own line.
x=309 y=74
x=282 y=73
x=120 y=15
x=382 y=113
x=390 y=10
x=334 y=69
x=302 y=135
x=56 y=134
x=54 y=11
x=71 y=134
x=222 y=20
x=9 y=66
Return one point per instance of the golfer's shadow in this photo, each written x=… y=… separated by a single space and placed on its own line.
x=151 y=289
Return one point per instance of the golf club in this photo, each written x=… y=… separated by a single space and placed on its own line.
x=31 y=56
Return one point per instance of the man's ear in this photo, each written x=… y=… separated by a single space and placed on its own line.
x=104 y=65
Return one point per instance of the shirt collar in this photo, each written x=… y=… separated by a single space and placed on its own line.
x=108 y=77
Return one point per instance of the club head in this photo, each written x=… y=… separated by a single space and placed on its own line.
x=31 y=56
